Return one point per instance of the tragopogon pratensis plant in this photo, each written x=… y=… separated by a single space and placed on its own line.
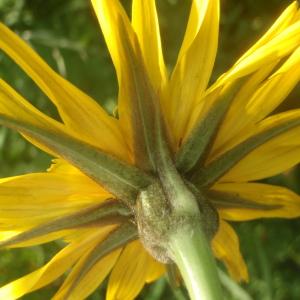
x=155 y=187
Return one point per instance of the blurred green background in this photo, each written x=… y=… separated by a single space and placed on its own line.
x=66 y=35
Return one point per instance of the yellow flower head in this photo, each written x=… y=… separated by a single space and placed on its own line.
x=213 y=142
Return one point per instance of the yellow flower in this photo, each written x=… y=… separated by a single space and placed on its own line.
x=223 y=139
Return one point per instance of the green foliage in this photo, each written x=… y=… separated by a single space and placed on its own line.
x=66 y=34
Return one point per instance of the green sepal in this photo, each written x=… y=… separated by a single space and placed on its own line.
x=143 y=101
x=121 y=179
x=172 y=183
x=193 y=151
x=207 y=176
x=119 y=237
x=109 y=212
x=232 y=200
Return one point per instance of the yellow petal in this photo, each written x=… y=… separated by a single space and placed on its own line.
x=194 y=66
x=278 y=47
x=232 y=118
x=35 y=241
x=287 y=17
x=256 y=106
x=60 y=166
x=91 y=280
x=264 y=101
x=275 y=156
x=59 y=264
x=255 y=89
x=15 y=106
x=95 y=126
x=196 y=18
x=145 y=24
x=130 y=273
x=155 y=270
x=278 y=37
x=110 y=15
x=226 y=248
x=31 y=199
x=283 y=203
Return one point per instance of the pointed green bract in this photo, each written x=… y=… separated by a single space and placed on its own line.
x=121 y=236
x=192 y=152
x=171 y=181
x=142 y=102
x=109 y=212
x=230 y=200
x=122 y=180
x=207 y=176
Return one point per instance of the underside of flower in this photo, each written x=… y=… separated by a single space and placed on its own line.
x=181 y=160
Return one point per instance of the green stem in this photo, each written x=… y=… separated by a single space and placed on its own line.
x=191 y=252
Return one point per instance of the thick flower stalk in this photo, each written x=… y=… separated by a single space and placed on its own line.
x=134 y=195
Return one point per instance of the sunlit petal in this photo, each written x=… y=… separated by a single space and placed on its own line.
x=259 y=103
x=281 y=45
x=90 y=281
x=155 y=270
x=95 y=126
x=60 y=263
x=289 y=16
x=275 y=156
x=194 y=66
x=145 y=24
x=130 y=273
x=282 y=202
